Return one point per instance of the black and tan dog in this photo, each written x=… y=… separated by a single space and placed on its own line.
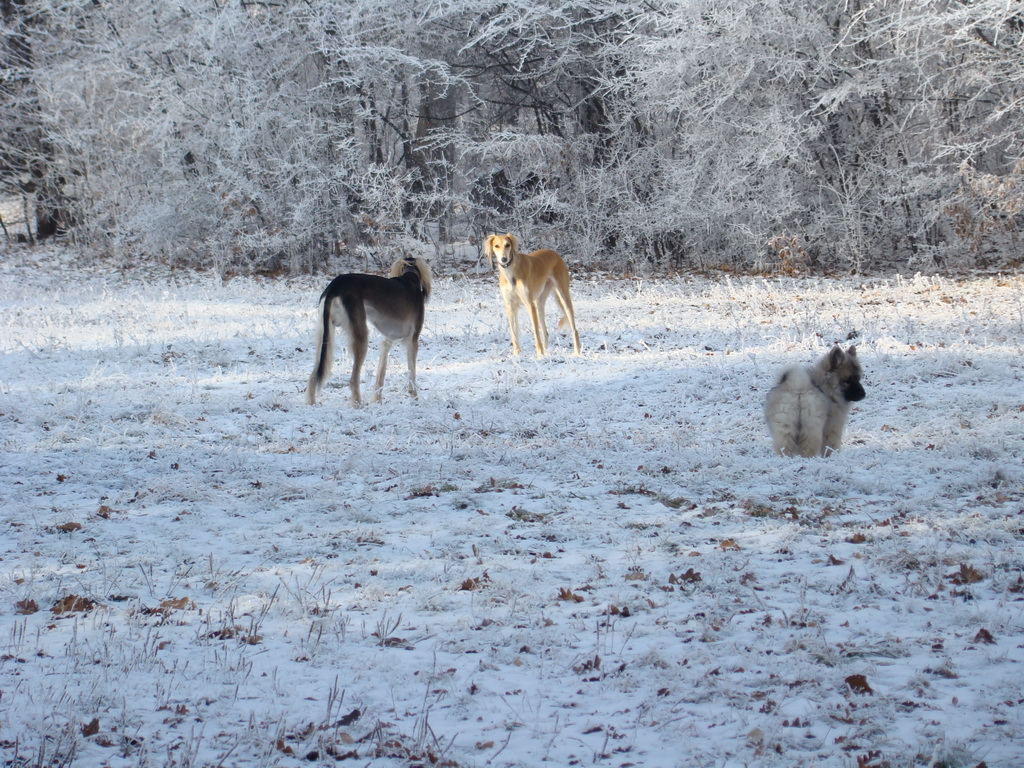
x=525 y=280
x=808 y=407
x=395 y=306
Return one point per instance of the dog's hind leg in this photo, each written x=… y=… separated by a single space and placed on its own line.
x=782 y=427
x=535 y=307
x=783 y=414
x=568 y=313
x=808 y=445
x=542 y=301
x=813 y=411
x=412 y=345
x=358 y=338
x=539 y=333
x=382 y=367
x=358 y=349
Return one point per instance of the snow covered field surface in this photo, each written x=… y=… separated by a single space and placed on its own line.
x=591 y=560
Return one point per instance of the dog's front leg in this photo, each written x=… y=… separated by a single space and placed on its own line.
x=512 y=310
x=382 y=367
x=833 y=436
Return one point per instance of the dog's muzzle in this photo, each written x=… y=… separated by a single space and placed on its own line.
x=853 y=391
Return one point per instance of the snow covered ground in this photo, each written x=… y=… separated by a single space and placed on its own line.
x=589 y=560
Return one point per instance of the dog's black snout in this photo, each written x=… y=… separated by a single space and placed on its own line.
x=853 y=391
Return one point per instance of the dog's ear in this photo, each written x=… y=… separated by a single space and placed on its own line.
x=426 y=278
x=489 y=249
x=836 y=357
x=852 y=351
x=514 y=240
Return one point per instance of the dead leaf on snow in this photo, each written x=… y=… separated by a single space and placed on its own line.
x=25 y=607
x=171 y=604
x=423 y=492
x=859 y=684
x=691 y=576
x=984 y=636
x=348 y=719
x=966 y=575
x=73 y=604
x=236 y=632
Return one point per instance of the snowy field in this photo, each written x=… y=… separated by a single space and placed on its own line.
x=589 y=560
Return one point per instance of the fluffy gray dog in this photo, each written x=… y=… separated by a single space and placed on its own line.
x=807 y=409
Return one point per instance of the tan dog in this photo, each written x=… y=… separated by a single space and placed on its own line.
x=807 y=409
x=394 y=304
x=525 y=280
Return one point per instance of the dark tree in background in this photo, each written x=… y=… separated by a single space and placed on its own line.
x=28 y=167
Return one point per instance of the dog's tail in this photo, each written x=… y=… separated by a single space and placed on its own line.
x=324 y=350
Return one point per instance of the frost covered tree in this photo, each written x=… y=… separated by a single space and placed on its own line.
x=981 y=101
x=186 y=131
x=845 y=133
